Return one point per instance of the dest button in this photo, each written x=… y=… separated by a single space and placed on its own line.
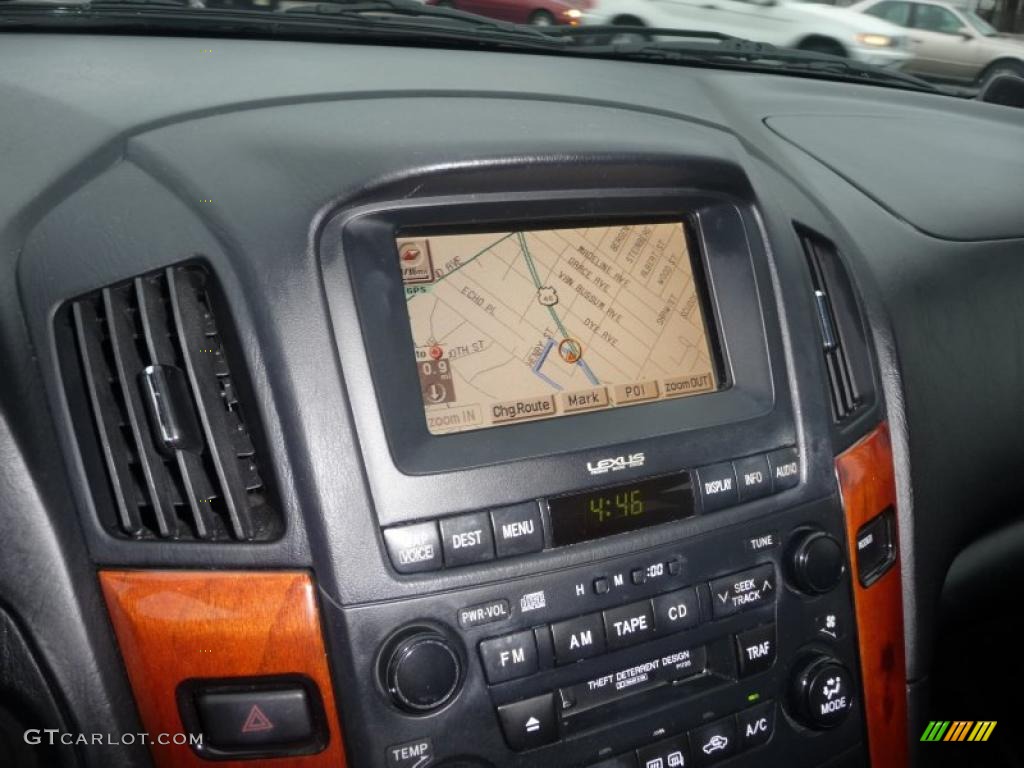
x=467 y=539
x=529 y=723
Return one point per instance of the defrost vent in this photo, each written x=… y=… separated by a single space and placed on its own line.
x=169 y=452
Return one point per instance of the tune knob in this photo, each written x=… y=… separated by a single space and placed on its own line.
x=821 y=695
x=422 y=671
x=816 y=563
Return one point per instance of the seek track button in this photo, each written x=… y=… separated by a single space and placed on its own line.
x=743 y=591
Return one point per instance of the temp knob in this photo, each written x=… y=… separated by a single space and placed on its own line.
x=821 y=695
x=816 y=563
x=423 y=671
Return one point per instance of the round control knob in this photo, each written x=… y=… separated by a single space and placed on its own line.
x=822 y=693
x=423 y=671
x=816 y=563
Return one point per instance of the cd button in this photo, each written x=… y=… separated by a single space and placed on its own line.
x=578 y=638
x=517 y=529
x=414 y=548
x=467 y=539
x=629 y=625
x=677 y=610
x=717 y=484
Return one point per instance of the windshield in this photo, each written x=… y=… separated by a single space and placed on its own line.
x=868 y=42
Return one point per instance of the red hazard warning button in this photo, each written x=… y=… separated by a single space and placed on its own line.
x=267 y=719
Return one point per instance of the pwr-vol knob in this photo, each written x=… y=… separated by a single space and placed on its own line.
x=816 y=563
x=422 y=671
x=821 y=693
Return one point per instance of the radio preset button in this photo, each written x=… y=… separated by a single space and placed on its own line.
x=756 y=649
x=509 y=657
x=677 y=610
x=578 y=638
x=467 y=539
x=517 y=529
x=529 y=723
x=714 y=742
x=743 y=591
x=629 y=624
x=717 y=484
x=414 y=548
x=753 y=477
x=785 y=467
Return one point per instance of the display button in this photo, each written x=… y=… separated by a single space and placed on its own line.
x=756 y=649
x=629 y=624
x=668 y=753
x=509 y=657
x=785 y=467
x=254 y=719
x=743 y=591
x=756 y=725
x=467 y=539
x=753 y=477
x=484 y=613
x=677 y=610
x=517 y=529
x=713 y=742
x=411 y=754
x=578 y=638
x=414 y=548
x=529 y=723
x=875 y=551
x=717 y=484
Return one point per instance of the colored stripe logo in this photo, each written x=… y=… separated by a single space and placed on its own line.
x=958 y=730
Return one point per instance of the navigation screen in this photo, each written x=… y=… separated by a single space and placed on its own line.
x=510 y=327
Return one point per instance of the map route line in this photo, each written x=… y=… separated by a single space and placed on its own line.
x=589 y=373
x=540 y=362
x=536 y=281
x=475 y=256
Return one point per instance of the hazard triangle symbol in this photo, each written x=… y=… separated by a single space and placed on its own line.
x=256 y=721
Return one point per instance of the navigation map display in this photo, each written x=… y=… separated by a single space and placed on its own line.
x=510 y=327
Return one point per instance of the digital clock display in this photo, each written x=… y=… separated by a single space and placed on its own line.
x=620 y=508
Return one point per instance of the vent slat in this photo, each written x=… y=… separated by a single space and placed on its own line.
x=201 y=367
x=104 y=410
x=128 y=365
x=148 y=377
x=196 y=487
x=844 y=339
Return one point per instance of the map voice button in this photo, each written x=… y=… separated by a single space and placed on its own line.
x=414 y=548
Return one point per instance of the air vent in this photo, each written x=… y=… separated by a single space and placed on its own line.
x=169 y=451
x=844 y=342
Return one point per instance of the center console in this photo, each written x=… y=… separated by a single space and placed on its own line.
x=611 y=537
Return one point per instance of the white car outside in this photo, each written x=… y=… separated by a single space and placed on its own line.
x=785 y=23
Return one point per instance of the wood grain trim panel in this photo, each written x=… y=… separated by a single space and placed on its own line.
x=175 y=625
x=868 y=486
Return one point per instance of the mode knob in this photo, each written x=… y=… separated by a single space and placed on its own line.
x=816 y=563
x=822 y=692
x=422 y=671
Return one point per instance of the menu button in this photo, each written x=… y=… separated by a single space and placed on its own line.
x=517 y=529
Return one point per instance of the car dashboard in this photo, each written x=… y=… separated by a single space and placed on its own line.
x=233 y=510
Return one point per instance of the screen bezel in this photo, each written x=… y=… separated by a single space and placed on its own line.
x=698 y=270
x=363 y=240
